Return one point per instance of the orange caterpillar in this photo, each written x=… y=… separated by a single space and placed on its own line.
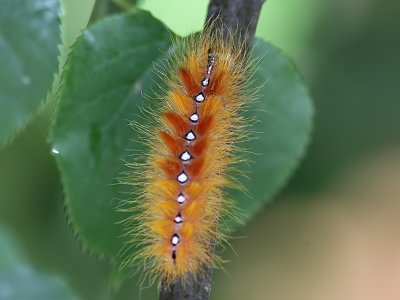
x=191 y=146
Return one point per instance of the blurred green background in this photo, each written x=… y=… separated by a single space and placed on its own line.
x=334 y=233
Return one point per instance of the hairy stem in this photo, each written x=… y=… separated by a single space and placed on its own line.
x=241 y=17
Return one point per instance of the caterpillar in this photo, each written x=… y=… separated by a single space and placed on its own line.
x=191 y=148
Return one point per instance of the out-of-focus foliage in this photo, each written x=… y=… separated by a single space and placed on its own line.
x=19 y=280
x=356 y=90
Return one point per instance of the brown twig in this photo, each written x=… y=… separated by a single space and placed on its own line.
x=241 y=17
x=198 y=288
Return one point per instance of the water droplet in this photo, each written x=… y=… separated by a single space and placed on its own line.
x=26 y=80
x=90 y=37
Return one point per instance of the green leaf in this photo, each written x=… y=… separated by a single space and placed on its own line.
x=18 y=280
x=29 y=38
x=283 y=114
x=101 y=93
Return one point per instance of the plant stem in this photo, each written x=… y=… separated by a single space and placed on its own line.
x=240 y=17
x=199 y=288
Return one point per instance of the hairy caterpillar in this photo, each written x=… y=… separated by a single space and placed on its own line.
x=191 y=147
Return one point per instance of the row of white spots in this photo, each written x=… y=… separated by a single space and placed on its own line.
x=186 y=156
